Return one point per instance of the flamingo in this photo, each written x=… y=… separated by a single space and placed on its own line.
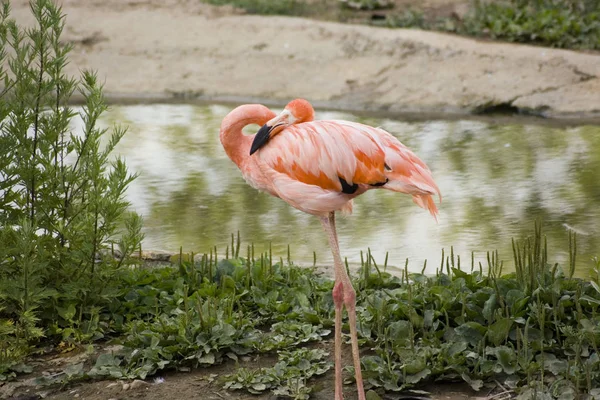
x=319 y=167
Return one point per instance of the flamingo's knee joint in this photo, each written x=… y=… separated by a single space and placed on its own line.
x=349 y=297
x=338 y=294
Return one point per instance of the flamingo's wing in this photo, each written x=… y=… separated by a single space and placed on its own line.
x=335 y=157
x=327 y=154
x=407 y=173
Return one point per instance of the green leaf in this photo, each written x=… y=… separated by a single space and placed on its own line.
x=506 y=357
x=471 y=332
x=489 y=307
x=595 y=286
x=74 y=370
x=67 y=313
x=259 y=387
x=476 y=384
x=372 y=395
x=107 y=359
x=208 y=359
x=399 y=331
x=498 y=331
x=414 y=378
x=554 y=365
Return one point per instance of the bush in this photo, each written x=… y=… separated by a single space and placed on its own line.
x=266 y=7
x=62 y=203
x=555 y=23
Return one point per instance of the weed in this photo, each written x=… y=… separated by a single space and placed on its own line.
x=367 y=4
x=554 y=23
x=287 y=378
x=62 y=206
x=537 y=327
x=267 y=7
x=570 y=24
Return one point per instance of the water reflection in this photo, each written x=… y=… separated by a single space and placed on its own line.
x=496 y=180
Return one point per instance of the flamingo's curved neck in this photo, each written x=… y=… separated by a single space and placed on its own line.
x=236 y=144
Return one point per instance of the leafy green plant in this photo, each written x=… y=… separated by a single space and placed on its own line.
x=555 y=23
x=531 y=327
x=571 y=24
x=534 y=328
x=367 y=4
x=62 y=206
x=287 y=378
x=266 y=7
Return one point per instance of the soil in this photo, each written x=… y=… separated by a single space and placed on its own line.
x=186 y=50
x=204 y=384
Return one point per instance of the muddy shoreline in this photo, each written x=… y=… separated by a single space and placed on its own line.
x=188 y=51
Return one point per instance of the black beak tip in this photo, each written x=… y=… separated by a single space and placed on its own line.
x=261 y=138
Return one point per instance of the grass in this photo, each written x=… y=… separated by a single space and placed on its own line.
x=538 y=327
x=267 y=7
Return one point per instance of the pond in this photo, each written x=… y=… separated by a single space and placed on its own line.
x=496 y=176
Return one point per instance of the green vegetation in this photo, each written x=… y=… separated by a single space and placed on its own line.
x=367 y=4
x=62 y=207
x=534 y=329
x=68 y=278
x=555 y=23
x=267 y=7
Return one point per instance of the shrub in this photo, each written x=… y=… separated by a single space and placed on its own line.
x=62 y=200
x=556 y=23
x=266 y=7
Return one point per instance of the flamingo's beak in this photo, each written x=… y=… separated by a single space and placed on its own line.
x=270 y=129
x=261 y=138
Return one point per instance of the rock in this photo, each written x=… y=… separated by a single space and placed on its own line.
x=137 y=384
x=126 y=386
x=153 y=255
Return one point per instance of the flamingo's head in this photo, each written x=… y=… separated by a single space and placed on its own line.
x=296 y=112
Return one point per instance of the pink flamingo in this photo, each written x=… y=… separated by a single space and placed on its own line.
x=319 y=167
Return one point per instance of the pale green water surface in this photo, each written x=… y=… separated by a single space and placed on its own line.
x=496 y=179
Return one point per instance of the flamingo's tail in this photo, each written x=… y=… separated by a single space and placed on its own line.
x=426 y=201
x=422 y=190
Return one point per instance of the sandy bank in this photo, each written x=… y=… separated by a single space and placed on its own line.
x=188 y=50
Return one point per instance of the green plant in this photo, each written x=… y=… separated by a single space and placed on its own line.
x=287 y=378
x=267 y=7
x=533 y=329
x=367 y=4
x=554 y=23
x=62 y=202
x=571 y=24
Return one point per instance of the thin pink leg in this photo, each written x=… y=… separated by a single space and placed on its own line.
x=350 y=302
x=344 y=285
x=338 y=301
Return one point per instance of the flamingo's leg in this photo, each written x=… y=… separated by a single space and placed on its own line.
x=338 y=301
x=343 y=292
x=350 y=302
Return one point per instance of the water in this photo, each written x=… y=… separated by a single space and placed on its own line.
x=496 y=180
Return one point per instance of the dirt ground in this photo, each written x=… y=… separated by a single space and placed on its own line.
x=186 y=50
x=202 y=384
